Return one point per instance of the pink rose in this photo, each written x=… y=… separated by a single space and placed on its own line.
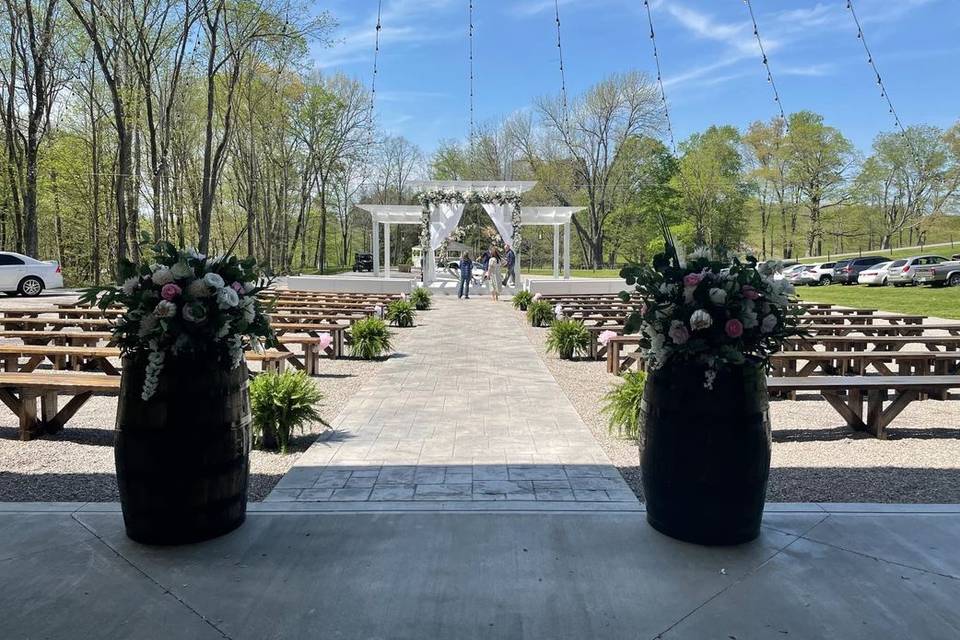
x=236 y=286
x=325 y=340
x=692 y=279
x=644 y=309
x=170 y=291
x=734 y=328
x=678 y=332
x=749 y=292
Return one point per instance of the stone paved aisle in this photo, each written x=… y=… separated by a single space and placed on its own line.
x=468 y=413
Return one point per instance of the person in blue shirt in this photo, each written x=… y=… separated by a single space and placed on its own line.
x=466 y=273
x=511 y=260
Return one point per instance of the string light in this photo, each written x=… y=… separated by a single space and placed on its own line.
x=563 y=77
x=663 y=93
x=766 y=64
x=883 y=89
x=470 y=38
x=376 y=58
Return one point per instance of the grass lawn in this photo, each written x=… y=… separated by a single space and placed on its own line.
x=943 y=302
x=575 y=273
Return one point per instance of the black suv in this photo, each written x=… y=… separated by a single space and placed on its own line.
x=363 y=262
x=847 y=271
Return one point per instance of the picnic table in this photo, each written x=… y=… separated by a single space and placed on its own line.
x=787 y=363
x=20 y=392
x=873 y=343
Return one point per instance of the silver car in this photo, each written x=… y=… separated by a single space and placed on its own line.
x=900 y=273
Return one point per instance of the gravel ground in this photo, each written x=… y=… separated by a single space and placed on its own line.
x=816 y=458
x=77 y=463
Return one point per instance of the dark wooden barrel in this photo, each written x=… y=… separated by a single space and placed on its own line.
x=705 y=454
x=183 y=457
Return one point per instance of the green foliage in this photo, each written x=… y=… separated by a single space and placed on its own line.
x=568 y=337
x=369 y=338
x=540 y=313
x=622 y=405
x=522 y=299
x=282 y=403
x=401 y=313
x=421 y=298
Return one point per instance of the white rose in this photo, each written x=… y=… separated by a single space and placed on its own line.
x=130 y=285
x=718 y=296
x=249 y=286
x=769 y=323
x=227 y=298
x=165 y=309
x=700 y=320
x=749 y=319
x=181 y=270
x=198 y=289
x=248 y=308
x=162 y=276
x=213 y=280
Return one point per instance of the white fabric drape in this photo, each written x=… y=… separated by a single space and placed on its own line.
x=502 y=216
x=444 y=218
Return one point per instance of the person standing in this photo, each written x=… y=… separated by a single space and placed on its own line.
x=466 y=272
x=511 y=260
x=493 y=274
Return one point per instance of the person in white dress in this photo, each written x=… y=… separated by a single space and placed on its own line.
x=493 y=273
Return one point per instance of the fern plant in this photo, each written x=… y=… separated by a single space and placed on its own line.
x=369 y=338
x=521 y=299
x=421 y=298
x=280 y=404
x=540 y=313
x=622 y=405
x=401 y=313
x=568 y=337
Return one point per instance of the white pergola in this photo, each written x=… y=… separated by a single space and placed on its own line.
x=389 y=214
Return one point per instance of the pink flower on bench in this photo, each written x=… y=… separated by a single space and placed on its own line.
x=605 y=336
x=325 y=340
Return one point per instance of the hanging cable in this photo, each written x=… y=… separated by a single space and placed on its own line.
x=470 y=38
x=663 y=93
x=563 y=75
x=766 y=64
x=376 y=60
x=883 y=89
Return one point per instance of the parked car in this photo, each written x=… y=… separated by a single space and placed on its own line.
x=791 y=273
x=363 y=262
x=875 y=276
x=955 y=256
x=847 y=271
x=814 y=274
x=940 y=274
x=902 y=274
x=28 y=276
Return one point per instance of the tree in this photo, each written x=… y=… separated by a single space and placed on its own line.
x=592 y=133
x=909 y=178
x=820 y=158
x=713 y=191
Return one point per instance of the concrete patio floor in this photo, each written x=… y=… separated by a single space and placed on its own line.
x=818 y=571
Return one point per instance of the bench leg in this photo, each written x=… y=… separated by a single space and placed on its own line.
x=29 y=427
x=848 y=405
x=11 y=364
x=57 y=422
x=48 y=411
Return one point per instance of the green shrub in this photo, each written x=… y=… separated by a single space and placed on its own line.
x=282 y=403
x=568 y=337
x=401 y=313
x=622 y=404
x=521 y=299
x=540 y=313
x=421 y=298
x=369 y=338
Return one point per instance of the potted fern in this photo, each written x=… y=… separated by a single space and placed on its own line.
x=540 y=313
x=522 y=299
x=369 y=338
x=568 y=337
x=421 y=298
x=400 y=313
x=282 y=403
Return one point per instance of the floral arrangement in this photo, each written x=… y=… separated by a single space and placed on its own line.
x=714 y=312
x=482 y=196
x=186 y=303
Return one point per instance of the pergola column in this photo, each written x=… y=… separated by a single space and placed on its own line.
x=566 y=251
x=376 y=247
x=386 y=248
x=556 y=251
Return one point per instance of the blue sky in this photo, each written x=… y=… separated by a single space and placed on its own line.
x=710 y=60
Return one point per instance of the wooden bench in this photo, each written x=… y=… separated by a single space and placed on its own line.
x=63 y=313
x=40 y=324
x=595 y=349
x=847 y=394
x=336 y=331
x=271 y=360
x=787 y=363
x=619 y=360
x=20 y=392
x=73 y=338
x=873 y=343
x=880 y=329
x=853 y=318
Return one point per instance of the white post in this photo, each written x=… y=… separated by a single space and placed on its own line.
x=556 y=252
x=376 y=248
x=386 y=248
x=566 y=251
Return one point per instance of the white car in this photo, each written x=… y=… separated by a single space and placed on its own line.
x=875 y=275
x=27 y=276
x=820 y=273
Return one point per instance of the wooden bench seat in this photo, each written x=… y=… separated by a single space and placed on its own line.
x=787 y=363
x=880 y=329
x=20 y=392
x=90 y=338
x=873 y=343
x=847 y=394
x=40 y=324
x=271 y=360
x=619 y=360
